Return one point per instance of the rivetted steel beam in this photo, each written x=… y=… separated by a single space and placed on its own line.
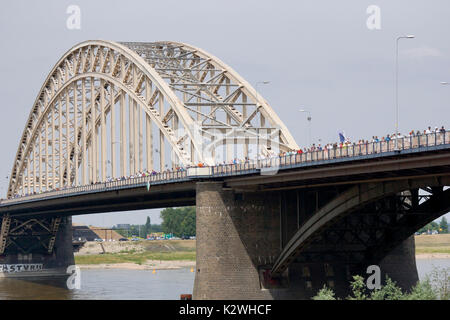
x=6 y=221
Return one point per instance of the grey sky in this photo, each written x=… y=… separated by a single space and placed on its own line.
x=316 y=54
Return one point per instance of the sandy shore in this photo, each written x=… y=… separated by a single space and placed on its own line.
x=148 y=265
x=177 y=264
x=94 y=248
x=433 y=256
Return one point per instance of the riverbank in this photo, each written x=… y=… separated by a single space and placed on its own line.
x=432 y=256
x=147 y=265
x=176 y=254
x=137 y=255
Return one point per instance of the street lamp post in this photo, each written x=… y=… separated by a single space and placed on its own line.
x=396 y=86
x=309 y=118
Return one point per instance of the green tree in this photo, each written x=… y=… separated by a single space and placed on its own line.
x=422 y=291
x=148 y=227
x=443 y=225
x=435 y=286
x=429 y=227
x=188 y=223
x=325 y=294
x=156 y=228
x=358 y=289
x=389 y=291
x=179 y=221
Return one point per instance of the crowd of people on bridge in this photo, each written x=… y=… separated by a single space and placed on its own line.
x=269 y=154
x=346 y=143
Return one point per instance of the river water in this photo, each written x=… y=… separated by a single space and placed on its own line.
x=133 y=284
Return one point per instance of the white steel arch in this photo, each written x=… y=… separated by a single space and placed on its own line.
x=88 y=121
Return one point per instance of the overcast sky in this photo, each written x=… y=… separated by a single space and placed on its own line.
x=317 y=55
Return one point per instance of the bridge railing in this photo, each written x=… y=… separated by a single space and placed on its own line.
x=346 y=151
x=104 y=186
x=336 y=152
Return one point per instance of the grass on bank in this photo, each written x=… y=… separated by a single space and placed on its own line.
x=172 y=250
x=168 y=245
x=134 y=257
x=162 y=250
x=439 y=243
x=422 y=250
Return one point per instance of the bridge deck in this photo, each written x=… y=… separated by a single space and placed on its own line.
x=261 y=171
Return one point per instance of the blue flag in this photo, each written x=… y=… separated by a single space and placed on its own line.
x=341 y=137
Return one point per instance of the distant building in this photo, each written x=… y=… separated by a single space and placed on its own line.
x=123 y=226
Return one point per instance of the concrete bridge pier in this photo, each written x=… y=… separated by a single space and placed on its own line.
x=34 y=248
x=400 y=265
x=239 y=236
x=238 y=240
x=235 y=236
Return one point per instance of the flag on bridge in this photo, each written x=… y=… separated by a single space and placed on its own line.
x=342 y=137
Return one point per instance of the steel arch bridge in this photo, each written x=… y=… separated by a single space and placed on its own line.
x=110 y=109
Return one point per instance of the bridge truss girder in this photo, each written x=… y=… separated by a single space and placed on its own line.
x=365 y=222
x=28 y=234
x=109 y=110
